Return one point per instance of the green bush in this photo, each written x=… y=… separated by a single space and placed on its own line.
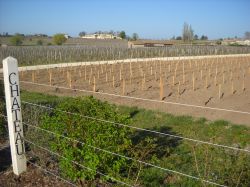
x=99 y=134
x=59 y=39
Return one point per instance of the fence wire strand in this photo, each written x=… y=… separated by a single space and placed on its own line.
x=76 y=163
x=142 y=99
x=129 y=158
x=138 y=128
x=51 y=173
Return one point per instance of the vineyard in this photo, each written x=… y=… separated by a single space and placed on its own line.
x=209 y=82
x=149 y=121
x=107 y=50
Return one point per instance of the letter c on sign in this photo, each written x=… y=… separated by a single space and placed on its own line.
x=11 y=80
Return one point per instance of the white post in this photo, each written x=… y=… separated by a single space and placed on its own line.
x=13 y=106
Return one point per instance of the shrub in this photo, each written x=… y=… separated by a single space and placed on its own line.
x=91 y=132
x=59 y=39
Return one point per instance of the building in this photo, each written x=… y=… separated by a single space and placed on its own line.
x=66 y=36
x=149 y=43
x=101 y=36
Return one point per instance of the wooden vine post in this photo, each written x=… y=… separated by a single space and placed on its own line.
x=161 y=88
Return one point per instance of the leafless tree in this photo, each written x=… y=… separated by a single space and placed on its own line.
x=188 y=33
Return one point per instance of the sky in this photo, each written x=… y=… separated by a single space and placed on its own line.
x=155 y=19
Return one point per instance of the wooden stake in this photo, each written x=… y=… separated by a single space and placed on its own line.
x=206 y=83
x=33 y=76
x=161 y=89
x=219 y=91
x=120 y=74
x=94 y=85
x=50 y=78
x=193 y=82
x=232 y=87
x=113 y=81
x=179 y=87
x=70 y=81
x=243 y=85
x=123 y=86
x=85 y=74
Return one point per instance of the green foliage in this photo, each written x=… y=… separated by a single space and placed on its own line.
x=135 y=36
x=203 y=37
x=39 y=42
x=217 y=164
x=93 y=133
x=122 y=34
x=178 y=38
x=16 y=40
x=59 y=39
x=218 y=42
x=82 y=33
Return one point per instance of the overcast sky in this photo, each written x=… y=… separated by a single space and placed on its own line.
x=156 y=19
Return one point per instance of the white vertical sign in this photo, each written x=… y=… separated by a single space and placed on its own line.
x=13 y=106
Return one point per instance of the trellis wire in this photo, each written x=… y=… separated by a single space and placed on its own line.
x=129 y=158
x=142 y=129
x=142 y=99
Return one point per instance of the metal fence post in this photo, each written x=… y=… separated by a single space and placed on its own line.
x=13 y=107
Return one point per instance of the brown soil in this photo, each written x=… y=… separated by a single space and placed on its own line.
x=142 y=79
x=32 y=177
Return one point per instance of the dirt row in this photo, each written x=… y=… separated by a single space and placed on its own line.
x=214 y=82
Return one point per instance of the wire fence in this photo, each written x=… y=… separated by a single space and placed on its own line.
x=141 y=129
x=113 y=180
x=84 y=167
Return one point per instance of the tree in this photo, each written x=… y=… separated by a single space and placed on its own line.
x=196 y=37
x=17 y=39
x=135 y=36
x=83 y=33
x=178 y=38
x=122 y=34
x=203 y=37
x=188 y=33
x=59 y=39
x=247 y=35
x=173 y=38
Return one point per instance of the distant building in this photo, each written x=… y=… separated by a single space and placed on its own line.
x=101 y=36
x=66 y=36
x=149 y=43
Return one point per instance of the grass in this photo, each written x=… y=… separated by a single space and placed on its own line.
x=223 y=166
